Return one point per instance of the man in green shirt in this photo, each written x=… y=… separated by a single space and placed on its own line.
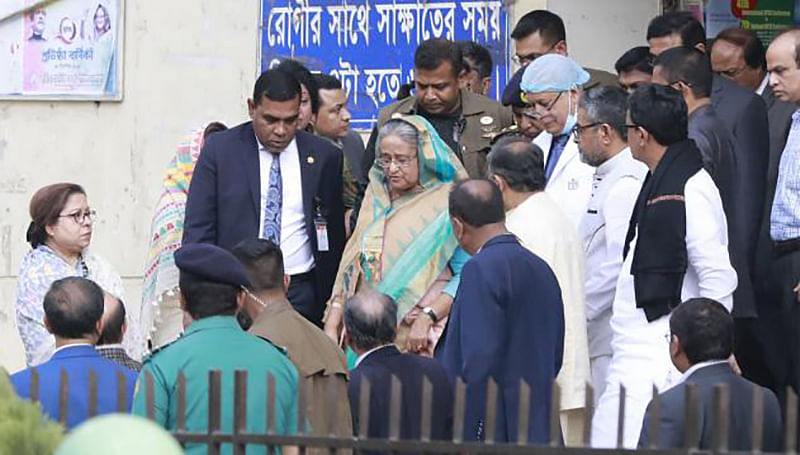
x=211 y=283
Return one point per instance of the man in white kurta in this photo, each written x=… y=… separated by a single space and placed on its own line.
x=516 y=166
x=602 y=141
x=640 y=347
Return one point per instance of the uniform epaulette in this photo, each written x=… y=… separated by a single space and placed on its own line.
x=155 y=351
x=282 y=349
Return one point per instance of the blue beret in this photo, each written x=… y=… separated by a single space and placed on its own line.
x=211 y=263
x=512 y=94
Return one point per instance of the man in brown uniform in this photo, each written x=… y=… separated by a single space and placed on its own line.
x=318 y=360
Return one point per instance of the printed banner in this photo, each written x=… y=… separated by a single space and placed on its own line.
x=65 y=48
x=369 y=45
x=766 y=17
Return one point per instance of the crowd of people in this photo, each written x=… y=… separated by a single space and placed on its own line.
x=639 y=229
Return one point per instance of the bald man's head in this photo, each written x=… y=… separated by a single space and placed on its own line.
x=519 y=163
x=370 y=319
x=113 y=320
x=477 y=203
x=783 y=64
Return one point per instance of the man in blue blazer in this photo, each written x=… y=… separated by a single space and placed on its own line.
x=73 y=308
x=702 y=341
x=264 y=179
x=371 y=322
x=507 y=321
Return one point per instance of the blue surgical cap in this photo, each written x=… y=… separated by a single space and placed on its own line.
x=553 y=73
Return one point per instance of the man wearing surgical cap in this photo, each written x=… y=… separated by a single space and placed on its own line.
x=212 y=290
x=552 y=84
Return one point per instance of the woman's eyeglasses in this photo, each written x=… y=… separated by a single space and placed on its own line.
x=402 y=162
x=80 y=217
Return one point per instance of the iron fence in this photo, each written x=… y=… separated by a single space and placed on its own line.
x=319 y=439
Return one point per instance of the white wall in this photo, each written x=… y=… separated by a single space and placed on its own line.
x=186 y=62
x=599 y=31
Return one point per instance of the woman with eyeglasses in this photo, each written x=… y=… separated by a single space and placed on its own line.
x=403 y=245
x=60 y=233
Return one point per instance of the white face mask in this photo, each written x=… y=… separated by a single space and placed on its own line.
x=572 y=117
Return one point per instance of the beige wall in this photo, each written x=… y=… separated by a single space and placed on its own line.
x=186 y=62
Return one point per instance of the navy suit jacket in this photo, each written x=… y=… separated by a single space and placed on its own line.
x=77 y=361
x=744 y=113
x=378 y=368
x=224 y=203
x=507 y=323
x=672 y=414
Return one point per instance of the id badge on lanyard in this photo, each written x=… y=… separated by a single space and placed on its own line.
x=321 y=228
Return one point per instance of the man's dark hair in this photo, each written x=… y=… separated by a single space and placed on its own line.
x=326 y=82
x=519 y=162
x=682 y=23
x=704 y=329
x=299 y=71
x=477 y=58
x=477 y=202
x=635 y=59
x=688 y=65
x=73 y=306
x=276 y=85
x=112 y=326
x=263 y=261
x=549 y=26
x=755 y=56
x=214 y=127
x=207 y=298
x=370 y=319
x=430 y=54
x=660 y=110
x=607 y=105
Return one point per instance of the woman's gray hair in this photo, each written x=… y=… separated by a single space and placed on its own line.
x=402 y=129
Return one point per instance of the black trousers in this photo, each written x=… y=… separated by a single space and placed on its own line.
x=781 y=322
x=303 y=297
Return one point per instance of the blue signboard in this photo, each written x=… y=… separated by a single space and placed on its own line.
x=369 y=44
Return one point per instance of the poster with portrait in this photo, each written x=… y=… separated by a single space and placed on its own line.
x=62 y=49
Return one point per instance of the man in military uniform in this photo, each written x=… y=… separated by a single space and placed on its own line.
x=526 y=122
x=318 y=359
x=465 y=120
x=211 y=284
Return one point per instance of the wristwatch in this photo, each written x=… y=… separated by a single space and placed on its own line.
x=432 y=314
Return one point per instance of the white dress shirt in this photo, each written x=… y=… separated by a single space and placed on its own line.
x=697 y=366
x=640 y=348
x=616 y=186
x=762 y=86
x=545 y=230
x=295 y=244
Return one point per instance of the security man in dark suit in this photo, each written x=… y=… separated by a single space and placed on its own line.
x=371 y=321
x=739 y=55
x=702 y=342
x=263 y=179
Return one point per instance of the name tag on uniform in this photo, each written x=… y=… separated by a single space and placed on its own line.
x=322 y=234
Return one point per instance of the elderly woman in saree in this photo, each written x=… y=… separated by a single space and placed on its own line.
x=403 y=245
x=161 y=315
x=60 y=233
